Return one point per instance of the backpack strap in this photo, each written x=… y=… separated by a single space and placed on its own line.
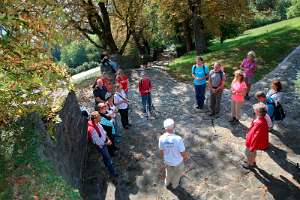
x=91 y=128
x=194 y=69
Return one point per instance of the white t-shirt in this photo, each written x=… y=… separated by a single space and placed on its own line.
x=173 y=146
x=118 y=98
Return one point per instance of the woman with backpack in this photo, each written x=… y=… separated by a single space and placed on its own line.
x=216 y=85
x=200 y=73
x=276 y=95
x=275 y=91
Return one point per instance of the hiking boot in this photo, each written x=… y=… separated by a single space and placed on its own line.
x=248 y=167
x=211 y=114
x=232 y=120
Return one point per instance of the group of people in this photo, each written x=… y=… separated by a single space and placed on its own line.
x=267 y=109
x=111 y=98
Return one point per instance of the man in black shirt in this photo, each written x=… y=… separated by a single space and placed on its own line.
x=99 y=93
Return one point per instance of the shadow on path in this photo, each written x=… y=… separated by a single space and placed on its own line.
x=280 y=157
x=281 y=188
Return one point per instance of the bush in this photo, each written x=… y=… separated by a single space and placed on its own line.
x=180 y=49
x=262 y=19
x=294 y=10
x=84 y=67
x=229 y=30
x=76 y=53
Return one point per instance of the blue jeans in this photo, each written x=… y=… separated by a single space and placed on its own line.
x=147 y=101
x=200 y=94
x=107 y=160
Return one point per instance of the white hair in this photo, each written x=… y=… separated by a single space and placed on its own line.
x=169 y=123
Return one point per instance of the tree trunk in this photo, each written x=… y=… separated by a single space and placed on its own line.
x=107 y=30
x=200 y=44
x=187 y=32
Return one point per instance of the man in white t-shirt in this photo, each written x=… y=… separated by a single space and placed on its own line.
x=173 y=152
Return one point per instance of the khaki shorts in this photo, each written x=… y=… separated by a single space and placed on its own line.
x=249 y=153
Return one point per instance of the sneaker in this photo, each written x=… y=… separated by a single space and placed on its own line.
x=211 y=114
x=248 y=167
x=169 y=187
x=198 y=107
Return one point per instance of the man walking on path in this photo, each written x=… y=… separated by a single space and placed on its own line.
x=216 y=85
x=173 y=152
x=145 y=87
x=200 y=74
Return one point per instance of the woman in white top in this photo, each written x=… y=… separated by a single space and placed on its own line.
x=112 y=112
x=121 y=101
x=275 y=92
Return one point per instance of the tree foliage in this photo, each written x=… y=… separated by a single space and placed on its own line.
x=27 y=72
x=294 y=10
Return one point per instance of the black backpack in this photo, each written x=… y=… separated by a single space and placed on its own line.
x=194 y=70
x=278 y=113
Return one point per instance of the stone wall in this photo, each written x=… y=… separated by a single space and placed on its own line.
x=67 y=152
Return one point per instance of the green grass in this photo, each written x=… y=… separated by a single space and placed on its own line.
x=23 y=175
x=271 y=43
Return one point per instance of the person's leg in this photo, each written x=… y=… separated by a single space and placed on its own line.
x=144 y=103
x=233 y=111
x=126 y=121
x=202 y=95
x=218 y=101
x=107 y=160
x=238 y=106
x=150 y=102
x=168 y=175
x=197 y=94
x=178 y=170
x=213 y=102
x=123 y=120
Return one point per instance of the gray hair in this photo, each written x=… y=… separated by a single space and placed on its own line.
x=261 y=108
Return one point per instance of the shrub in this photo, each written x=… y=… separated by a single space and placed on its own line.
x=262 y=19
x=294 y=10
x=84 y=67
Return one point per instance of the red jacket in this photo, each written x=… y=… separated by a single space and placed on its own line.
x=91 y=127
x=258 y=135
x=145 y=86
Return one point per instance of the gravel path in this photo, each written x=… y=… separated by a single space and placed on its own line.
x=216 y=147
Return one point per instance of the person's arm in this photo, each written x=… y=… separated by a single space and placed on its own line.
x=194 y=72
x=242 y=65
x=161 y=154
x=185 y=156
x=221 y=87
x=182 y=150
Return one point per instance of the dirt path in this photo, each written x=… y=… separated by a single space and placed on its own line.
x=216 y=148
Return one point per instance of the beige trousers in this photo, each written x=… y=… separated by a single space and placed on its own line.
x=173 y=174
x=236 y=109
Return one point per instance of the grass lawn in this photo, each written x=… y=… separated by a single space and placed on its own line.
x=271 y=43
